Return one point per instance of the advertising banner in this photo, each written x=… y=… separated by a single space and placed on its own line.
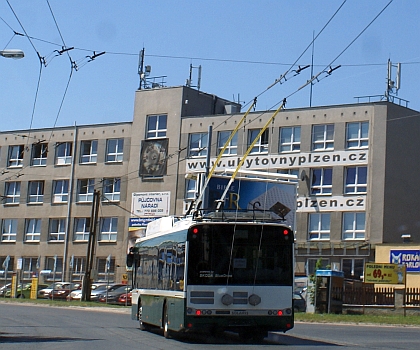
x=384 y=273
x=408 y=257
x=150 y=204
x=278 y=199
x=153 y=157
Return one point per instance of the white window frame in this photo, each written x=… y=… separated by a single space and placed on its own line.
x=292 y=171
x=60 y=191
x=319 y=226
x=197 y=145
x=29 y=267
x=81 y=236
x=89 y=152
x=35 y=192
x=49 y=265
x=357 y=135
x=190 y=189
x=323 y=137
x=12 y=192
x=15 y=159
x=63 y=153
x=261 y=146
x=109 y=229
x=77 y=267
x=291 y=141
x=39 y=154
x=57 y=231
x=9 y=230
x=114 y=150
x=324 y=187
x=232 y=147
x=33 y=230
x=361 y=263
x=156 y=126
x=112 y=189
x=85 y=190
x=354 y=226
x=101 y=266
x=357 y=185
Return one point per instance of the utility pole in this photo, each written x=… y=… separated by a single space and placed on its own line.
x=91 y=246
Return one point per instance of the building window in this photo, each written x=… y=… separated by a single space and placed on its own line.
x=357 y=135
x=156 y=126
x=77 y=267
x=198 y=145
x=36 y=192
x=7 y=264
x=63 y=153
x=30 y=267
x=353 y=268
x=356 y=180
x=294 y=172
x=89 y=151
x=54 y=264
x=60 y=191
x=81 y=229
x=57 y=230
x=190 y=189
x=321 y=181
x=354 y=225
x=9 y=230
x=39 y=154
x=85 y=190
x=15 y=156
x=111 y=189
x=261 y=145
x=323 y=137
x=289 y=139
x=114 y=150
x=232 y=147
x=12 y=192
x=109 y=228
x=319 y=226
x=311 y=265
x=33 y=230
x=106 y=268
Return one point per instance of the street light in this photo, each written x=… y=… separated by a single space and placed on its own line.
x=12 y=53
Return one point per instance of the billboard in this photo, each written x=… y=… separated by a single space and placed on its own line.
x=408 y=257
x=384 y=273
x=273 y=197
x=153 y=157
x=150 y=204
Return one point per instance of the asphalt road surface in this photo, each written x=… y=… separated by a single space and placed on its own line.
x=26 y=326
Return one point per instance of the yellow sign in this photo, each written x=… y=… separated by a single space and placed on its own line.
x=385 y=273
x=124 y=278
x=34 y=287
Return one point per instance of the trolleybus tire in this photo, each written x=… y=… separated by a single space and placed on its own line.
x=166 y=332
x=142 y=326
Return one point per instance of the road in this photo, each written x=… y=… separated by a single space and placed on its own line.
x=26 y=326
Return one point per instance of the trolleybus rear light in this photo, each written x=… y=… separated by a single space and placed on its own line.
x=280 y=313
x=198 y=312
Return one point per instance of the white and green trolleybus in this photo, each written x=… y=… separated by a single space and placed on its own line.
x=214 y=274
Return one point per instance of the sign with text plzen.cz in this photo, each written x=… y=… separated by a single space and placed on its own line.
x=150 y=204
x=384 y=273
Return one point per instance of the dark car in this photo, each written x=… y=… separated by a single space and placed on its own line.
x=299 y=303
x=63 y=291
x=112 y=297
x=98 y=292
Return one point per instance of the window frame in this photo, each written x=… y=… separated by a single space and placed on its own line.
x=63 y=153
x=361 y=141
x=158 y=128
x=355 y=233
x=29 y=267
x=81 y=236
x=325 y=181
x=353 y=262
x=38 y=152
x=321 y=232
x=109 y=223
x=89 y=188
x=63 y=194
x=114 y=150
x=325 y=140
x=103 y=273
x=111 y=188
x=357 y=185
x=262 y=144
x=33 y=234
x=60 y=232
x=9 y=235
x=197 y=144
x=36 y=191
x=190 y=189
x=292 y=141
x=15 y=156
x=15 y=196
x=232 y=147
x=88 y=152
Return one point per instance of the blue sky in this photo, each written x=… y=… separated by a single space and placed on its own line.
x=241 y=45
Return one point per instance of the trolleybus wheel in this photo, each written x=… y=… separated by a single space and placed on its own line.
x=143 y=327
x=166 y=331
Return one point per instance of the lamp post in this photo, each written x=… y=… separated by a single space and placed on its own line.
x=12 y=53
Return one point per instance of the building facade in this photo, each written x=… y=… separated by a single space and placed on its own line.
x=355 y=166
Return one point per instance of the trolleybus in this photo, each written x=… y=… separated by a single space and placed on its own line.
x=214 y=274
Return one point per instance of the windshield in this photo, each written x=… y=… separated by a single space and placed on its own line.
x=240 y=254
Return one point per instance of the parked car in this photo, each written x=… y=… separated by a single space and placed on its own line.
x=45 y=293
x=61 y=292
x=24 y=291
x=299 y=302
x=112 y=297
x=4 y=288
x=124 y=299
x=95 y=294
x=77 y=294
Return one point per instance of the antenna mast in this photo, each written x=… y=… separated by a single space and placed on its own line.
x=391 y=84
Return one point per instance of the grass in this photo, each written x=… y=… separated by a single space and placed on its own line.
x=62 y=303
x=383 y=319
